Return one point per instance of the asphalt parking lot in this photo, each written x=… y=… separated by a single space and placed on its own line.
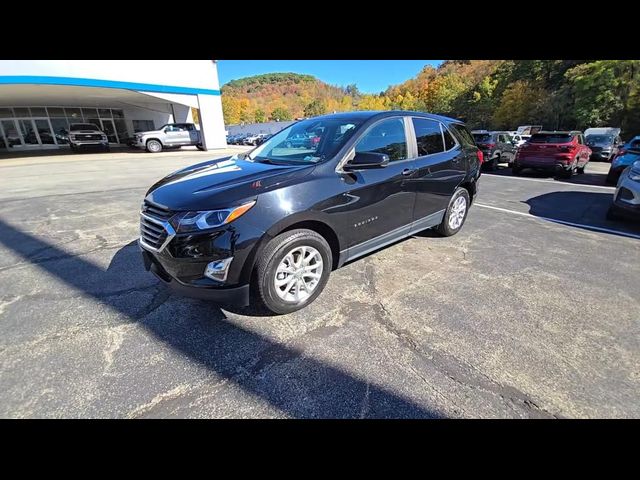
x=532 y=310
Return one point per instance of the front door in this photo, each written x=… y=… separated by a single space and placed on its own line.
x=377 y=205
x=441 y=168
x=176 y=135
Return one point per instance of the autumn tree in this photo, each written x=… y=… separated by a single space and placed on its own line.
x=315 y=108
x=280 y=114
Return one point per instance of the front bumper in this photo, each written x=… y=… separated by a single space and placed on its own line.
x=203 y=289
x=89 y=143
x=600 y=156
x=626 y=199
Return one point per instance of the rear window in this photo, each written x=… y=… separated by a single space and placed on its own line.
x=482 y=137
x=551 y=138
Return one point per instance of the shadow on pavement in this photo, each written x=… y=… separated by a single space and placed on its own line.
x=585 y=208
x=305 y=388
x=587 y=178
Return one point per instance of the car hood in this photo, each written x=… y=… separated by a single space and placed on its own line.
x=220 y=183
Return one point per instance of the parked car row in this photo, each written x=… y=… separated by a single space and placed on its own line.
x=248 y=138
x=626 y=155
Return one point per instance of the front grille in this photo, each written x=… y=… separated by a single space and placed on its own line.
x=156 y=211
x=155 y=230
x=88 y=137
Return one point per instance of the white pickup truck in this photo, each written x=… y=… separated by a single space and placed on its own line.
x=171 y=135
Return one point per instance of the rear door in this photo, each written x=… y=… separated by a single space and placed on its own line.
x=441 y=167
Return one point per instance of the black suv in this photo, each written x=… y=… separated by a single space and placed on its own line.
x=279 y=219
x=497 y=147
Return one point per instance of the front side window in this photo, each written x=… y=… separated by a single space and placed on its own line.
x=388 y=137
x=428 y=136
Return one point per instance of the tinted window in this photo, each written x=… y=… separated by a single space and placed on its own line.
x=482 y=137
x=462 y=134
x=428 y=136
x=449 y=142
x=386 y=137
x=551 y=138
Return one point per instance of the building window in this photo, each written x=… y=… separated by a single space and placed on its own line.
x=143 y=125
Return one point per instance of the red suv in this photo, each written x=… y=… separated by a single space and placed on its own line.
x=564 y=153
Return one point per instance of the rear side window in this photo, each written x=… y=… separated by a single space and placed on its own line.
x=551 y=138
x=385 y=137
x=428 y=136
x=462 y=134
x=449 y=142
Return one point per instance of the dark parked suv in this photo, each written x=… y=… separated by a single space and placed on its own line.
x=279 y=219
x=497 y=147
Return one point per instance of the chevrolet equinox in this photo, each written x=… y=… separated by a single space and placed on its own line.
x=278 y=219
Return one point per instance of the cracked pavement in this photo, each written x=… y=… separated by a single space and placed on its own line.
x=514 y=317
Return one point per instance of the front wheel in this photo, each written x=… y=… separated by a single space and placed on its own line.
x=292 y=270
x=154 y=146
x=456 y=213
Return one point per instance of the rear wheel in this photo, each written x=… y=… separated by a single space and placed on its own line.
x=292 y=270
x=570 y=172
x=456 y=213
x=154 y=146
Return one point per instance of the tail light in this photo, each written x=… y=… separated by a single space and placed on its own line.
x=567 y=148
x=490 y=145
x=480 y=156
x=621 y=151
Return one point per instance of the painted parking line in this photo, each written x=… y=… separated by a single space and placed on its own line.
x=554 y=220
x=550 y=181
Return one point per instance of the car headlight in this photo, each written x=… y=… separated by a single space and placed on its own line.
x=634 y=173
x=196 y=221
x=72 y=137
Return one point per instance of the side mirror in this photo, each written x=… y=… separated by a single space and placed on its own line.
x=367 y=160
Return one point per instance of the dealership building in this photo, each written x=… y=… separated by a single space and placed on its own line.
x=40 y=98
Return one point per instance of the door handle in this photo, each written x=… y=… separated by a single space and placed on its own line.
x=408 y=171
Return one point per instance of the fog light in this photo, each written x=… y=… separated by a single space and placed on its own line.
x=218 y=269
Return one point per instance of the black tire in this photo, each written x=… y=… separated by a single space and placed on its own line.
x=516 y=170
x=580 y=170
x=567 y=174
x=445 y=229
x=201 y=148
x=273 y=253
x=154 y=146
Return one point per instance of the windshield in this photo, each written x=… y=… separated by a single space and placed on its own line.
x=82 y=126
x=551 y=138
x=599 y=139
x=308 y=141
x=482 y=137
